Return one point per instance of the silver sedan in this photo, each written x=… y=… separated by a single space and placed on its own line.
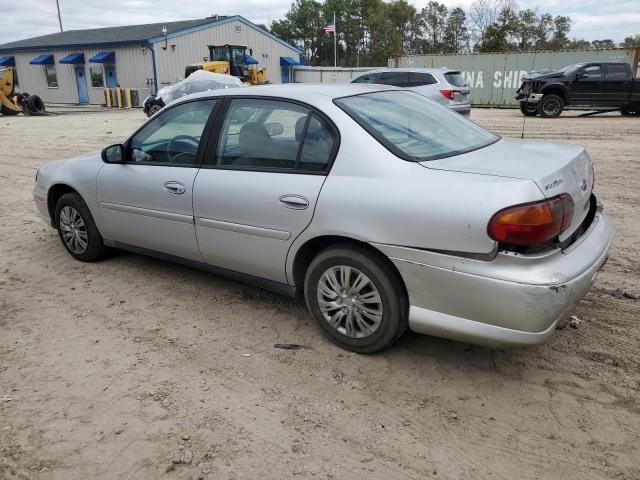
x=383 y=209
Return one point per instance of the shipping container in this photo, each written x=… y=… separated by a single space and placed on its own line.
x=494 y=77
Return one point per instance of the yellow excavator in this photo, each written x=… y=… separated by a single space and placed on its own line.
x=231 y=60
x=12 y=103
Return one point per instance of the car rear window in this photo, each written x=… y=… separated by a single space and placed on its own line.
x=456 y=78
x=413 y=127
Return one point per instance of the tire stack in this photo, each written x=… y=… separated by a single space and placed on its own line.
x=31 y=104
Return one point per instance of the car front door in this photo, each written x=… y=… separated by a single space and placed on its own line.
x=147 y=201
x=258 y=187
x=617 y=84
x=588 y=85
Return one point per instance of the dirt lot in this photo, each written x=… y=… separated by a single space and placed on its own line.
x=138 y=368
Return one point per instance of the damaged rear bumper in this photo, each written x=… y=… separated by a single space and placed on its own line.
x=514 y=299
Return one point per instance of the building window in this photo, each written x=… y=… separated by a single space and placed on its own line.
x=52 y=76
x=97 y=80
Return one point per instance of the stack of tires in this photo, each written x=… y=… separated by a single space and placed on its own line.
x=30 y=104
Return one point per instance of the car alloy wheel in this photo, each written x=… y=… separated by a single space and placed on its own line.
x=349 y=301
x=74 y=230
x=551 y=107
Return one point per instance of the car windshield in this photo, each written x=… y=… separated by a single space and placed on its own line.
x=413 y=127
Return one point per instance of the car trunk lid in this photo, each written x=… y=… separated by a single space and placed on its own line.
x=555 y=167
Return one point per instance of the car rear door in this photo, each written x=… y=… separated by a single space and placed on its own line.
x=396 y=79
x=617 y=84
x=258 y=186
x=147 y=201
x=588 y=86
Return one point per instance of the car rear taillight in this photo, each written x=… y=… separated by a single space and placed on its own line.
x=449 y=93
x=532 y=223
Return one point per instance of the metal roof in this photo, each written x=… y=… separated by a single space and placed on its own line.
x=128 y=34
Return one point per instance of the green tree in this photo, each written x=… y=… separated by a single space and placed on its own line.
x=631 y=42
x=456 y=34
x=433 y=20
x=601 y=44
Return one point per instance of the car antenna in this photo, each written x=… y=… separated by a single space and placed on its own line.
x=533 y=62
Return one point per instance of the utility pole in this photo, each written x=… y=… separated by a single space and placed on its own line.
x=59 y=16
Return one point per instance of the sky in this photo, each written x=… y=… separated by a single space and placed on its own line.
x=592 y=19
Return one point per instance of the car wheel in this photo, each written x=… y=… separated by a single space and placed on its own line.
x=631 y=110
x=77 y=229
x=550 y=106
x=357 y=298
x=528 y=109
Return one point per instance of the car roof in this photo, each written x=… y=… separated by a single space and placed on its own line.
x=304 y=92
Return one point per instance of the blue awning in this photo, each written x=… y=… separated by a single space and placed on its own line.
x=7 y=62
x=104 y=57
x=250 y=60
x=288 y=62
x=73 y=58
x=45 y=59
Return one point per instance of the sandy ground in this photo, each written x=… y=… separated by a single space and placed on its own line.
x=137 y=368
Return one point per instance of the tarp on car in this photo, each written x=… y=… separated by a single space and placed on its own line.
x=198 y=81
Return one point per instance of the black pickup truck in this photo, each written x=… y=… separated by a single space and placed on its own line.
x=598 y=85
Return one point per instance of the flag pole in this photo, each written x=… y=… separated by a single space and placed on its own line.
x=335 y=42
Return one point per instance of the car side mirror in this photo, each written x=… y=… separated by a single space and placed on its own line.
x=113 y=154
x=274 y=129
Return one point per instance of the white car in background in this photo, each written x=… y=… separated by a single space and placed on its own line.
x=442 y=85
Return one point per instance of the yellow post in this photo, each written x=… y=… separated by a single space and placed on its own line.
x=107 y=97
x=129 y=103
x=119 y=97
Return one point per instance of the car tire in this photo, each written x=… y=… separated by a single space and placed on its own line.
x=77 y=230
x=528 y=109
x=631 y=110
x=384 y=321
x=551 y=106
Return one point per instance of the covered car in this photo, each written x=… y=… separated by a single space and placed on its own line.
x=198 y=81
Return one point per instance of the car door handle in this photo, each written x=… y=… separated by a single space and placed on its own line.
x=296 y=202
x=176 y=188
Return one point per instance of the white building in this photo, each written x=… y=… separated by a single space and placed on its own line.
x=75 y=66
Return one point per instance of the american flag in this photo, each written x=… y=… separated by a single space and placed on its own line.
x=331 y=28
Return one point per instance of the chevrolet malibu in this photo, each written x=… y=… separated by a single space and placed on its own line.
x=383 y=209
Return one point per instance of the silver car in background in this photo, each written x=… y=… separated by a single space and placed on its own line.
x=384 y=210
x=442 y=85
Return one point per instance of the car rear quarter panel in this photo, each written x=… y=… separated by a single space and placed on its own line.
x=373 y=196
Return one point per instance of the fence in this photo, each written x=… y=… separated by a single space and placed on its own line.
x=494 y=77
x=304 y=74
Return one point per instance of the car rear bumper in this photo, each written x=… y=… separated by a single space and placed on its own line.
x=508 y=301
x=461 y=108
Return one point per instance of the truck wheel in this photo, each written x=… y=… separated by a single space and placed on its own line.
x=631 y=110
x=528 y=109
x=550 y=106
